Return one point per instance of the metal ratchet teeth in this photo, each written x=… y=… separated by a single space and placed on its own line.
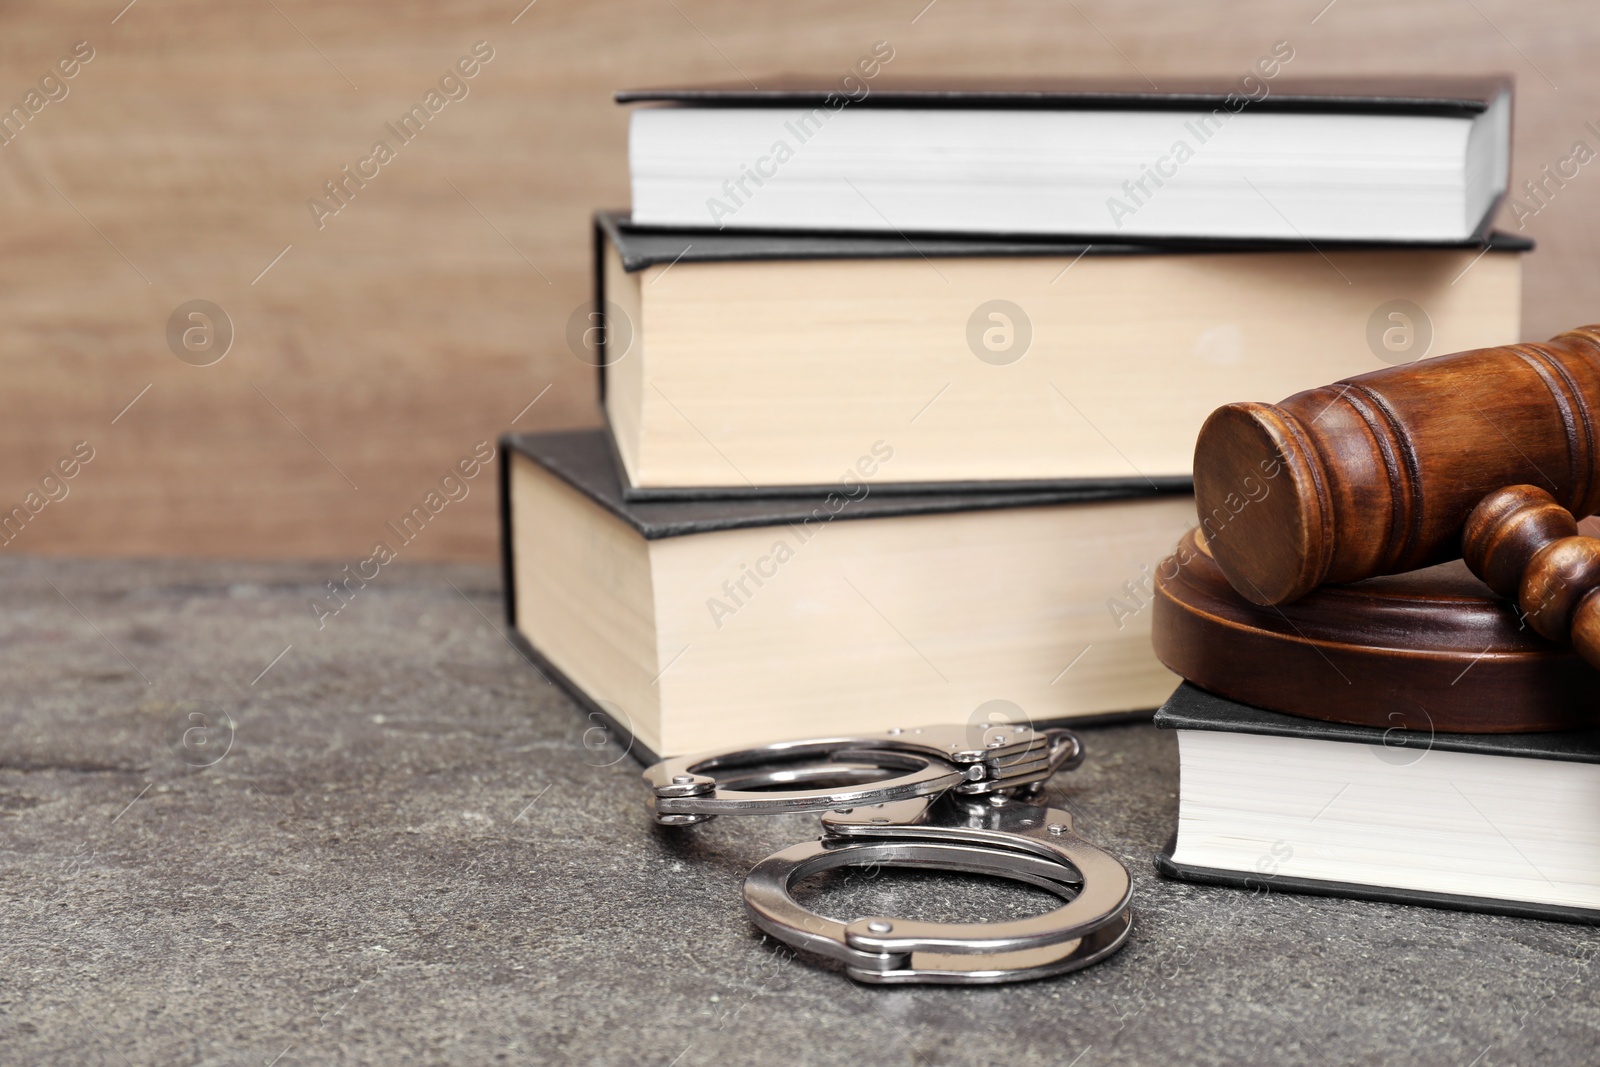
x=1006 y=777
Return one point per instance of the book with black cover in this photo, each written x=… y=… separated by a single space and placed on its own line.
x=763 y=380
x=1397 y=754
x=595 y=604
x=1391 y=158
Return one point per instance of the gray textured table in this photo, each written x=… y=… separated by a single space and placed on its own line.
x=407 y=854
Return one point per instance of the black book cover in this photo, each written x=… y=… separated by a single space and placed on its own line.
x=583 y=459
x=1394 y=95
x=1191 y=708
x=1317 y=887
x=647 y=246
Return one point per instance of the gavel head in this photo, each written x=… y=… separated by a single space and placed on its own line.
x=1376 y=474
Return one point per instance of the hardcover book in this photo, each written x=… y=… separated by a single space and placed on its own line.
x=1481 y=822
x=1263 y=156
x=737 y=364
x=693 y=624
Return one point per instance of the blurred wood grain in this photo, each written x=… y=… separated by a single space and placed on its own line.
x=428 y=313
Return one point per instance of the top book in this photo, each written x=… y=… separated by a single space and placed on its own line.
x=1263 y=157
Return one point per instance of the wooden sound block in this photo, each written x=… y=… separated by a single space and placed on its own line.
x=1432 y=649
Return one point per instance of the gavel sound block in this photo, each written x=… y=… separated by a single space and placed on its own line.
x=1430 y=650
x=1377 y=474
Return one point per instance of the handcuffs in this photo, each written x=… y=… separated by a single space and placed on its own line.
x=955 y=806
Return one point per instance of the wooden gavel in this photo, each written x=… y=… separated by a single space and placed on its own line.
x=1488 y=453
x=1526 y=547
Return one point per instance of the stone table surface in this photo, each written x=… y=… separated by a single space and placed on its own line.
x=406 y=852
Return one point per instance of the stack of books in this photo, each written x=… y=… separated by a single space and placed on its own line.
x=902 y=385
x=1478 y=822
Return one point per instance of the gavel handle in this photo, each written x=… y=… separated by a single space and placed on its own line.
x=1526 y=547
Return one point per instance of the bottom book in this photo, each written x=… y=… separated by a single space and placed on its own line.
x=1499 y=823
x=706 y=623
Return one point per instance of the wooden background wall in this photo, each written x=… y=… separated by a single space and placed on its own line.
x=427 y=315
